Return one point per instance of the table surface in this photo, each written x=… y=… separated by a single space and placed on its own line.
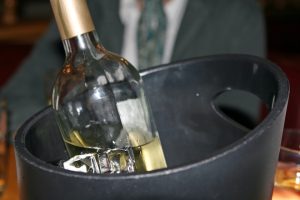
x=12 y=190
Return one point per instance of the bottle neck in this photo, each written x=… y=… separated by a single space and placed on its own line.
x=86 y=44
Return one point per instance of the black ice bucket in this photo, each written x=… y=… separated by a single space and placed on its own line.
x=213 y=149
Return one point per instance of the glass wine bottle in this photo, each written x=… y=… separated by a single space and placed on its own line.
x=99 y=102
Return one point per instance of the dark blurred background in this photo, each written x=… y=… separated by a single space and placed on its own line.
x=283 y=42
x=22 y=22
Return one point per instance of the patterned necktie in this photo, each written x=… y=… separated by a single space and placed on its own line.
x=151 y=34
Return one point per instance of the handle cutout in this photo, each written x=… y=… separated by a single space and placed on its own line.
x=240 y=107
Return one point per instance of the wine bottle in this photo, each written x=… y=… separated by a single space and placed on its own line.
x=99 y=102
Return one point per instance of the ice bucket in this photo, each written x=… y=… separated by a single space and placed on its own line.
x=210 y=153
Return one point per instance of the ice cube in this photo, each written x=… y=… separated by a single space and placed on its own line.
x=78 y=163
x=109 y=161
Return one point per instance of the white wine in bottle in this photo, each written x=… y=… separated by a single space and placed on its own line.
x=99 y=102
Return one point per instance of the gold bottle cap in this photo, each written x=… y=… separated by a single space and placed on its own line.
x=72 y=17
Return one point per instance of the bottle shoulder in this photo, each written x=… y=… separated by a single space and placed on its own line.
x=90 y=73
x=119 y=67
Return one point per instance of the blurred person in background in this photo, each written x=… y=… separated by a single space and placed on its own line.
x=184 y=29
